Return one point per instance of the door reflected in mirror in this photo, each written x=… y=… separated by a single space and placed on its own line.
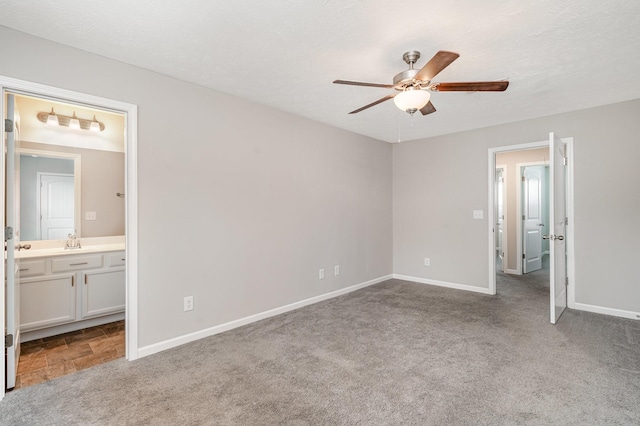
x=48 y=195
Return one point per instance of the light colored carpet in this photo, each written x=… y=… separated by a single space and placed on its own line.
x=397 y=353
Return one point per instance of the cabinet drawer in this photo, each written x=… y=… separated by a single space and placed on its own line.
x=32 y=268
x=76 y=263
x=114 y=259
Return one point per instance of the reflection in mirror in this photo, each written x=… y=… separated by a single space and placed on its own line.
x=49 y=195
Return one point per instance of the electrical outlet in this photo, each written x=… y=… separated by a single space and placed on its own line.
x=427 y=261
x=188 y=303
x=321 y=274
x=90 y=216
x=478 y=214
x=336 y=270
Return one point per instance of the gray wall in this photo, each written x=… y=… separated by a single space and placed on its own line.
x=437 y=182
x=29 y=168
x=239 y=204
x=102 y=177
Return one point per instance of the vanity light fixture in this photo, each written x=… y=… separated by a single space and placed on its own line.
x=74 y=122
x=52 y=118
x=95 y=125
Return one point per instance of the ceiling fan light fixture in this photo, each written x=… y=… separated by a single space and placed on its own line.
x=412 y=100
x=52 y=118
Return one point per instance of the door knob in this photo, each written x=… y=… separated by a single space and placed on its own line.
x=546 y=237
x=24 y=246
x=560 y=237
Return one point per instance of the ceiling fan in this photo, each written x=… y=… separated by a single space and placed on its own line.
x=414 y=86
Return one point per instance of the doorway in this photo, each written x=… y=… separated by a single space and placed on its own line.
x=512 y=260
x=128 y=266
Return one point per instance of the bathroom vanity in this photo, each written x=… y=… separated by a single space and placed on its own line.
x=64 y=290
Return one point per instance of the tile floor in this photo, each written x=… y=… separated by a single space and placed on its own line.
x=56 y=356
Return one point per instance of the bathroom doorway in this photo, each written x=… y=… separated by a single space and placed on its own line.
x=113 y=257
x=528 y=259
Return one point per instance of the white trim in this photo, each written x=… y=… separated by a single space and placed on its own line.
x=607 y=311
x=130 y=112
x=505 y=220
x=569 y=230
x=512 y=271
x=211 y=331
x=456 y=286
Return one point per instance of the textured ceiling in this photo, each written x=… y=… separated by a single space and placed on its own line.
x=558 y=55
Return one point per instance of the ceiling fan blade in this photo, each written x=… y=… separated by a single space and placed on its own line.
x=379 y=101
x=472 y=86
x=359 y=83
x=428 y=109
x=440 y=61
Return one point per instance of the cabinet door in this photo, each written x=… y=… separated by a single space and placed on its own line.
x=47 y=301
x=103 y=293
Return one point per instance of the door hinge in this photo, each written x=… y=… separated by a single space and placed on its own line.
x=8 y=340
x=566 y=220
x=522 y=217
x=565 y=161
x=8 y=233
x=8 y=125
x=566 y=281
x=523 y=179
x=524 y=256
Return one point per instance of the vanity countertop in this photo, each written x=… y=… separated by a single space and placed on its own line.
x=50 y=252
x=56 y=247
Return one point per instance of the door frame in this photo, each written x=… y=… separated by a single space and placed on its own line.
x=519 y=200
x=505 y=225
x=569 y=237
x=130 y=112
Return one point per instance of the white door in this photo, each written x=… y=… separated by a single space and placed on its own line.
x=12 y=217
x=557 y=217
x=500 y=218
x=56 y=205
x=532 y=218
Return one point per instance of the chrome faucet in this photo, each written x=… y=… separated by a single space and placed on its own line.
x=72 y=242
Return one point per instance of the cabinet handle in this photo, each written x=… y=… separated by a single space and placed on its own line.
x=78 y=264
x=123 y=259
x=24 y=269
x=86 y=280
x=73 y=281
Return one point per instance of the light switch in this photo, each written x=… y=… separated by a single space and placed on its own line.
x=90 y=216
x=478 y=214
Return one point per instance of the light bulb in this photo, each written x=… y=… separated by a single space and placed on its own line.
x=74 y=123
x=52 y=118
x=95 y=125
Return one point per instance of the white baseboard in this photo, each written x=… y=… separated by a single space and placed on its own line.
x=606 y=311
x=512 y=272
x=181 y=340
x=456 y=286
